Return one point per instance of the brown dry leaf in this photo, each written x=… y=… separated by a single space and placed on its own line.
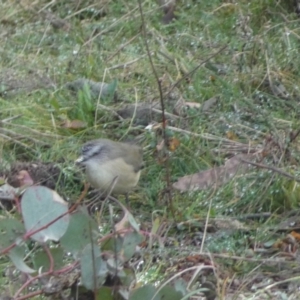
x=215 y=176
x=288 y=244
x=24 y=179
x=160 y=146
x=229 y=223
x=296 y=235
x=209 y=103
x=124 y=223
x=231 y=136
x=179 y=107
x=212 y=78
x=279 y=90
x=173 y=144
x=74 y=124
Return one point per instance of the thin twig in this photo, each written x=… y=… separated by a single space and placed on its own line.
x=165 y=137
x=283 y=173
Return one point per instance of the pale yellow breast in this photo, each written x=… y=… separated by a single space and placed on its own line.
x=101 y=176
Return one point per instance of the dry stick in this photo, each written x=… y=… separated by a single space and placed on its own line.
x=283 y=173
x=165 y=137
x=158 y=111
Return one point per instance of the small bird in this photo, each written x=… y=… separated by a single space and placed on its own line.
x=107 y=161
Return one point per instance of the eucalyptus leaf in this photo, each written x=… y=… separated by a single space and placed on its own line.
x=82 y=230
x=93 y=268
x=113 y=243
x=168 y=292
x=17 y=257
x=131 y=240
x=41 y=206
x=11 y=230
x=145 y=292
x=133 y=222
x=41 y=259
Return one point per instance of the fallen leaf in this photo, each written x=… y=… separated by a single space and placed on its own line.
x=124 y=223
x=173 y=144
x=296 y=235
x=208 y=104
x=231 y=136
x=288 y=244
x=215 y=176
x=24 y=179
x=160 y=146
x=127 y=222
x=279 y=90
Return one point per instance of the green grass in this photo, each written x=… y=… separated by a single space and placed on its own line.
x=262 y=41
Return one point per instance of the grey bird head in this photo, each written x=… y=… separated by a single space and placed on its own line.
x=92 y=149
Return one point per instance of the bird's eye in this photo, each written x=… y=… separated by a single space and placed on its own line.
x=86 y=148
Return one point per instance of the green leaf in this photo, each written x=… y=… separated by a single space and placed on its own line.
x=146 y=292
x=93 y=268
x=40 y=206
x=180 y=286
x=41 y=259
x=127 y=276
x=131 y=240
x=82 y=230
x=17 y=255
x=105 y=293
x=11 y=231
x=113 y=244
x=133 y=222
x=169 y=293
